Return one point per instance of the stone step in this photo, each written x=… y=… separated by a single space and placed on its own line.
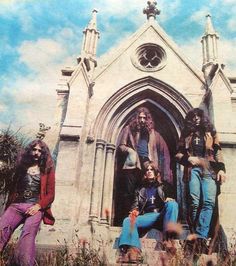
x=152 y=254
x=157 y=258
x=152 y=250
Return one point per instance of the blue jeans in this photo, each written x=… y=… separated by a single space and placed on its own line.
x=129 y=235
x=202 y=192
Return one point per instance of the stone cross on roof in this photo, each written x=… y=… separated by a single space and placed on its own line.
x=151 y=10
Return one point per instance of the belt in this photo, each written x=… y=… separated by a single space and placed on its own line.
x=27 y=194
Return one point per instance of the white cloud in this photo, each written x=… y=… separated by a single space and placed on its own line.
x=26 y=20
x=40 y=54
x=119 y=8
x=134 y=12
x=193 y=51
x=109 y=9
x=35 y=94
x=229 y=2
x=2 y=107
x=7 y=2
x=168 y=9
x=34 y=101
x=227 y=52
x=198 y=16
x=231 y=24
x=67 y=33
x=11 y=7
x=230 y=19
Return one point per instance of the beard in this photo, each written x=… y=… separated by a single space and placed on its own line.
x=143 y=127
x=35 y=159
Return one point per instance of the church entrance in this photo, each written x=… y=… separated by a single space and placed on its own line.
x=167 y=108
x=125 y=178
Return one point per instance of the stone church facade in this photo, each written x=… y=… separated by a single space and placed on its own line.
x=98 y=96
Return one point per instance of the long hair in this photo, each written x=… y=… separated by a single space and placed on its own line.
x=25 y=159
x=155 y=169
x=134 y=122
x=190 y=126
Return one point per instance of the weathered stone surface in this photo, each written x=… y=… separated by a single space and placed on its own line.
x=100 y=102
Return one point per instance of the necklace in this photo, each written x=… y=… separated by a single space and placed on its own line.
x=33 y=170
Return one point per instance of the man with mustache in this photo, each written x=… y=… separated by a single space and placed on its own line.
x=29 y=202
x=140 y=143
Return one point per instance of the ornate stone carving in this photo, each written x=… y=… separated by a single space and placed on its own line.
x=42 y=131
x=90 y=139
x=149 y=57
x=151 y=10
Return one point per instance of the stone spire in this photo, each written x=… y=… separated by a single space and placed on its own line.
x=151 y=10
x=209 y=44
x=93 y=22
x=91 y=35
x=209 y=29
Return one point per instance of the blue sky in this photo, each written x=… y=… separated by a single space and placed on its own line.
x=40 y=37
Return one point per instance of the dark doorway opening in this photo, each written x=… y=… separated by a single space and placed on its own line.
x=164 y=126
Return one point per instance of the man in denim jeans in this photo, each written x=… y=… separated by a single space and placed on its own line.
x=153 y=206
x=200 y=153
x=140 y=143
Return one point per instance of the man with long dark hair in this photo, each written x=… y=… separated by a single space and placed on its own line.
x=154 y=204
x=141 y=143
x=200 y=152
x=30 y=200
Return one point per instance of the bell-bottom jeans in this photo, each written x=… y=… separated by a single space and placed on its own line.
x=14 y=216
x=202 y=192
x=129 y=235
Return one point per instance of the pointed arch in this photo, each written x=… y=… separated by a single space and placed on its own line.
x=168 y=108
x=148 y=91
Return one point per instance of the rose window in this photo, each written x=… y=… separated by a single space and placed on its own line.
x=149 y=57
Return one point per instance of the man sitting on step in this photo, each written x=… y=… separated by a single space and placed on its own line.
x=29 y=201
x=153 y=205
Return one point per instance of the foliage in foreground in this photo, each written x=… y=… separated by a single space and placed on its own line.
x=10 y=144
x=81 y=253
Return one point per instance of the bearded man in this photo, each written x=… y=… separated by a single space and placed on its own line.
x=30 y=201
x=140 y=143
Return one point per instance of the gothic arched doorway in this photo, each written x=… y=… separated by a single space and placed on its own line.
x=168 y=108
x=164 y=126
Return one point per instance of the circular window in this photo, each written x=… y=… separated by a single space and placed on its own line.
x=149 y=57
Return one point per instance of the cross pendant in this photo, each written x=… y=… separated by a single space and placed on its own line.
x=197 y=140
x=152 y=199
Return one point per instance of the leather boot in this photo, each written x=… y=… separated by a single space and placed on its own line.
x=134 y=255
x=123 y=255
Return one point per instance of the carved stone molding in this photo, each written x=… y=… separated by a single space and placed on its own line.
x=151 y=10
x=149 y=57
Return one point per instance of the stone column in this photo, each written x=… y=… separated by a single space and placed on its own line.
x=97 y=181
x=108 y=185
